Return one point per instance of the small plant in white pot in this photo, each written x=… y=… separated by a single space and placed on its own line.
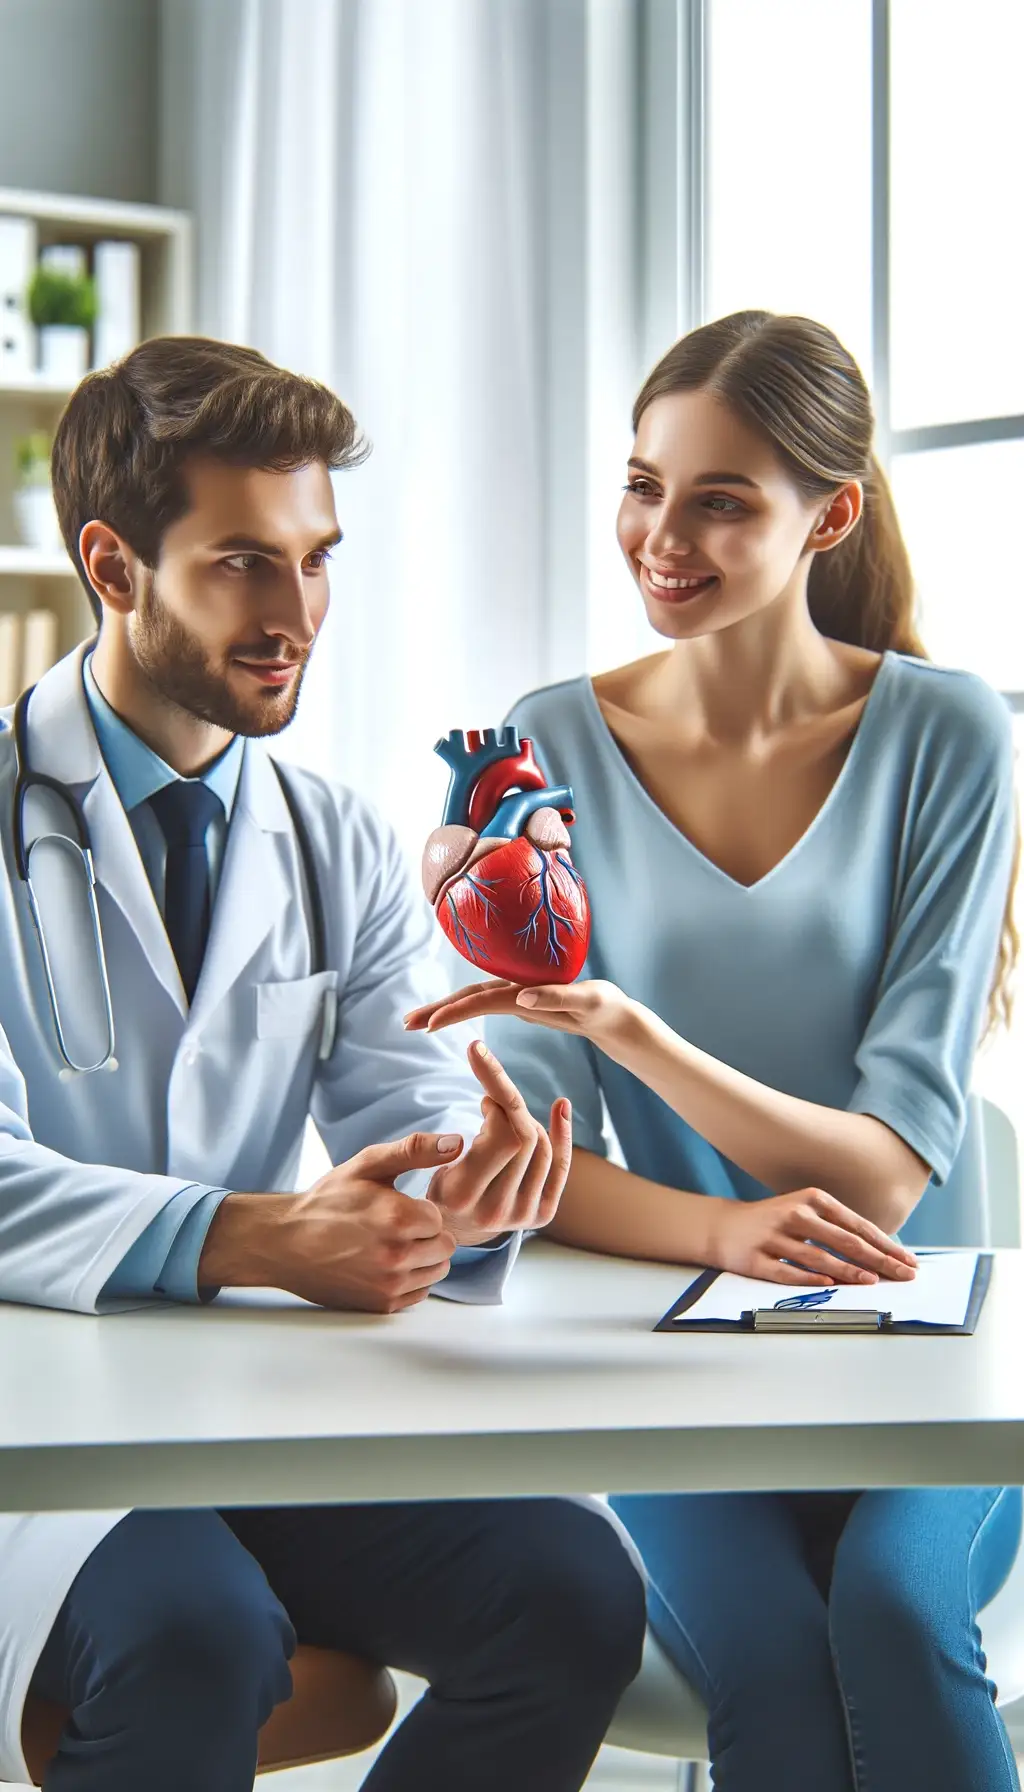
x=63 y=308
x=34 y=511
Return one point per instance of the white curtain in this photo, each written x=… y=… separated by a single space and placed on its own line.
x=431 y=205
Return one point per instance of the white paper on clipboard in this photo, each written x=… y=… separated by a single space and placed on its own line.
x=939 y=1294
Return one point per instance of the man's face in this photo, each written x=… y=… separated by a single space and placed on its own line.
x=225 y=625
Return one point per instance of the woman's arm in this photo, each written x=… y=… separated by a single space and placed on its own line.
x=784 y=1142
x=783 y=1239
x=780 y=1140
x=606 y=1208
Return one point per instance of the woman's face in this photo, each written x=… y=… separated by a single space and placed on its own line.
x=712 y=526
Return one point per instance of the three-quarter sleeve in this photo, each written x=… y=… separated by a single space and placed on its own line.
x=915 y=1056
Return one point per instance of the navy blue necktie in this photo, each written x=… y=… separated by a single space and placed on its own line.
x=185 y=810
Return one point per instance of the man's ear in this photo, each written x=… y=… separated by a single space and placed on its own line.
x=107 y=562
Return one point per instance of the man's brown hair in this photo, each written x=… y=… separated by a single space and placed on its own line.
x=126 y=432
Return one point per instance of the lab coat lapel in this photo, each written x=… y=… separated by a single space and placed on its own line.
x=62 y=743
x=254 y=889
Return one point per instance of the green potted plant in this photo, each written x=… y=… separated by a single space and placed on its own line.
x=63 y=308
x=34 y=512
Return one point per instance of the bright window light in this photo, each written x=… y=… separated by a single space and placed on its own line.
x=789 y=160
x=958 y=509
x=957 y=254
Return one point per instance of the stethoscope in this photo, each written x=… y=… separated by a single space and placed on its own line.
x=80 y=849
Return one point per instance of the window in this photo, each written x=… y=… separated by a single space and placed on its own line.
x=862 y=163
x=789 y=162
x=956 y=247
x=957 y=508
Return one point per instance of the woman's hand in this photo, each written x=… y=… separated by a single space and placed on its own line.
x=594 y=1009
x=794 y=1238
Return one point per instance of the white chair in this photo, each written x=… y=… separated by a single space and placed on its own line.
x=660 y=1714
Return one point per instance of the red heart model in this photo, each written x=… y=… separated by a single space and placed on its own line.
x=498 y=870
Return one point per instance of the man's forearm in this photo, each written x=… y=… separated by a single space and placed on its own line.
x=242 y=1249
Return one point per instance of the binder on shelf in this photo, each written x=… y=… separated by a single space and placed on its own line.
x=10 y=657
x=17 y=260
x=118 y=325
x=38 y=646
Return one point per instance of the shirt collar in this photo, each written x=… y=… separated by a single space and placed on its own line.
x=137 y=772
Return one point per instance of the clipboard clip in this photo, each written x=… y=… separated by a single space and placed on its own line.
x=815 y=1319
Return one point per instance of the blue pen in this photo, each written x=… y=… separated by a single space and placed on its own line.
x=817 y=1297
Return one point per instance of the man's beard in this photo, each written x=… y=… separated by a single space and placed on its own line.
x=181 y=672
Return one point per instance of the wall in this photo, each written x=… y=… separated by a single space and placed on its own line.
x=78 y=96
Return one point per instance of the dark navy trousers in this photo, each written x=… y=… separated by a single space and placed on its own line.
x=526 y=1617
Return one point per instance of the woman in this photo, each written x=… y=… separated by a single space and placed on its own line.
x=798 y=839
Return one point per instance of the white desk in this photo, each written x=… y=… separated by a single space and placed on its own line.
x=563 y=1389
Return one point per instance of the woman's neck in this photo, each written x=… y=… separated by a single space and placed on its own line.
x=746 y=683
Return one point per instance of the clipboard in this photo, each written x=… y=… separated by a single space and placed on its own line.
x=825 y=1320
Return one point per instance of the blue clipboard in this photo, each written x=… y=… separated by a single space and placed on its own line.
x=824 y=1320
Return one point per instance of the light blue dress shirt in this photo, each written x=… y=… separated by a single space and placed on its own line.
x=855 y=974
x=164 y=1260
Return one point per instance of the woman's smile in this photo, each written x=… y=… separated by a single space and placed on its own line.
x=674 y=588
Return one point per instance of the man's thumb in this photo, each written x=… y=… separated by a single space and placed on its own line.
x=417 y=1151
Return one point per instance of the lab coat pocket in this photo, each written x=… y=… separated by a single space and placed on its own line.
x=294 y=1009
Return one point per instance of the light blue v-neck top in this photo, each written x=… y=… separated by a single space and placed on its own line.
x=856 y=974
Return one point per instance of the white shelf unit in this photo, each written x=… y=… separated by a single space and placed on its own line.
x=35 y=563
x=30 y=579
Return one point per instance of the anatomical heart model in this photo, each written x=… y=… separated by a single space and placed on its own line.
x=498 y=870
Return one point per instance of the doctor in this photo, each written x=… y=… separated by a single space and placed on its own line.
x=252 y=949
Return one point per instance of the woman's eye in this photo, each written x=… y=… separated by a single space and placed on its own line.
x=641 y=488
x=722 y=506
x=318 y=559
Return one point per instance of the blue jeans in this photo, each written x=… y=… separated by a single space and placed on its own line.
x=834 y=1637
x=171 y=1649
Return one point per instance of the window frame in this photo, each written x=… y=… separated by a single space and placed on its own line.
x=689 y=32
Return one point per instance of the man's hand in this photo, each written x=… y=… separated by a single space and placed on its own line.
x=511 y=1178
x=352 y=1240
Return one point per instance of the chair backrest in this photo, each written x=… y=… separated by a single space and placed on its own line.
x=979 y=1203
x=1002 y=1176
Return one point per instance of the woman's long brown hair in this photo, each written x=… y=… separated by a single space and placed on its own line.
x=792 y=380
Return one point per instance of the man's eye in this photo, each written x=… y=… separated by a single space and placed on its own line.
x=242 y=562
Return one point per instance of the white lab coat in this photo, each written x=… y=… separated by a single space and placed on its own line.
x=218 y=1094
